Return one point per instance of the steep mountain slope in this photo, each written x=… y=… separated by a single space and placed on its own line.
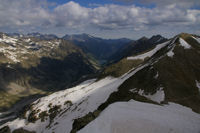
x=168 y=75
x=122 y=65
x=101 y=49
x=30 y=65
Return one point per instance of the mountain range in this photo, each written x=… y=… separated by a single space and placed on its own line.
x=100 y=49
x=146 y=85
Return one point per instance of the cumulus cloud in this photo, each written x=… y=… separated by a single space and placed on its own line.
x=36 y=15
x=180 y=3
x=71 y=14
x=118 y=17
x=23 y=12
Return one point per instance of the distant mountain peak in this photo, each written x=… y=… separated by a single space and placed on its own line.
x=184 y=35
x=144 y=38
x=157 y=36
x=42 y=36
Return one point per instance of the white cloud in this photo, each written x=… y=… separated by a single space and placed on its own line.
x=71 y=14
x=24 y=12
x=180 y=3
x=34 y=14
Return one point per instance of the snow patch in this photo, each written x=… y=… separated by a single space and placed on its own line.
x=27 y=40
x=7 y=39
x=159 y=96
x=148 y=54
x=198 y=85
x=156 y=76
x=184 y=44
x=133 y=90
x=10 y=52
x=171 y=53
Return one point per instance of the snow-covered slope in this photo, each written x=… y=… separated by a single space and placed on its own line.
x=83 y=99
x=137 y=117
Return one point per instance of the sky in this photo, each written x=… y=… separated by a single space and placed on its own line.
x=103 y=18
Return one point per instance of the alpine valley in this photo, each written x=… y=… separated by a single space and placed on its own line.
x=86 y=84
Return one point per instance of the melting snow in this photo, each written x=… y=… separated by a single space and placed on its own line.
x=159 y=96
x=13 y=57
x=137 y=117
x=156 y=76
x=8 y=39
x=27 y=40
x=133 y=90
x=10 y=52
x=171 y=53
x=148 y=54
x=184 y=43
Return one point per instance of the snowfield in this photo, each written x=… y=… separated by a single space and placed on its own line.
x=138 y=117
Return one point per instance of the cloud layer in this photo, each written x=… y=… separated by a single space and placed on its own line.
x=180 y=3
x=34 y=14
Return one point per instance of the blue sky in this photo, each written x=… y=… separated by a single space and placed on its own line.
x=103 y=18
x=88 y=3
x=94 y=3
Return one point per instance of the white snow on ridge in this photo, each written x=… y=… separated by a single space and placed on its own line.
x=197 y=39
x=138 y=117
x=148 y=54
x=184 y=44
